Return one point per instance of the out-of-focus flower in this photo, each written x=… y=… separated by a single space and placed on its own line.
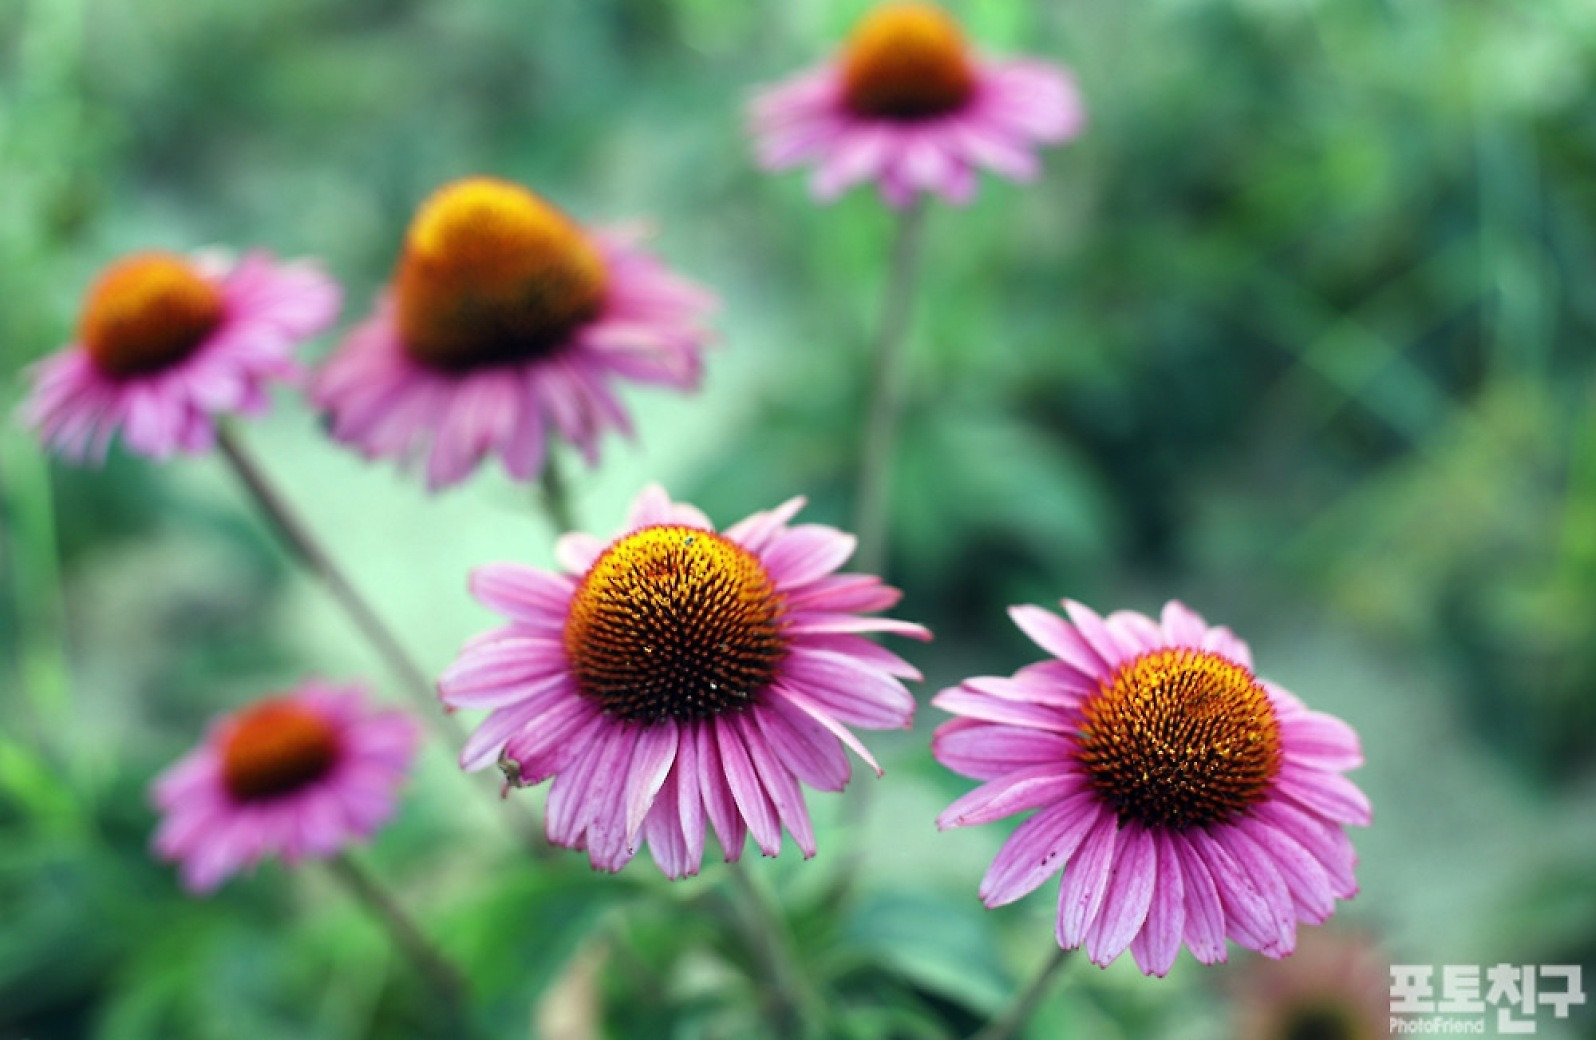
x=299 y=775
x=1336 y=986
x=505 y=319
x=675 y=675
x=166 y=343
x=909 y=105
x=1185 y=799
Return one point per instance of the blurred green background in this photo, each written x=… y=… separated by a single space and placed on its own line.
x=1300 y=331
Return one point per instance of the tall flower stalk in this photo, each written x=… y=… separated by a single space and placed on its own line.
x=791 y=1004
x=297 y=536
x=446 y=980
x=873 y=493
x=1009 y=1024
x=554 y=497
x=295 y=776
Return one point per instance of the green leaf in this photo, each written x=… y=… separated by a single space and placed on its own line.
x=941 y=945
x=515 y=940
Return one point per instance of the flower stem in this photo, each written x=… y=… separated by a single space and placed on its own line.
x=555 y=495
x=445 y=979
x=1014 y=1019
x=873 y=494
x=297 y=535
x=792 y=1005
x=28 y=543
x=304 y=545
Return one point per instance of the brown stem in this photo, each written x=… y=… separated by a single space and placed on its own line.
x=296 y=534
x=1012 y=1021
x=439 y=972
x=555 y=495
x=793 y=1007
x=873 y=494
x=304 y=545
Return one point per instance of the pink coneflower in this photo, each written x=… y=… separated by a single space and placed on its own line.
x=1184 y=798
x=299 y=775
x=165 y=343
x=506 y=319
x=676 y=675
x=907 y=104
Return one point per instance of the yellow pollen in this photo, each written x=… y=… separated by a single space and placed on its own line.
x=675 y=622
x=276 y=747
x=493 y=275
x=1180 y=738
x=906 y=61
x=148 y=312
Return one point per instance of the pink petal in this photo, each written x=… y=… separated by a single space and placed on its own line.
x=1038 y=848
x=986 y=752
x=844 y=594
x=804 y=553
x=1097 y=634
x=504 y=662
x=663 y=831
x=1157 y=944
x=969 y=703
x=1205 y=915
x=576 y=551
x=1322 y=741
x=779 y=785
x=847 y=623
x=1053 y=634
x=1324 y=841
x=652 y=758
x=1249 y=918
x=1021 y=790
x=523 y=593
x=1129 y=895
x=719 y=804
x=652 y=506
x=1304 y=877
x=568 y=808
x=686 y=777
x=850 y=691
x=757 y=531
x=1328 y=794
x=604 y=816
x=819 y=714
x=1184 y=626
x=1086 y=882
x=804 y=746
x=746 y=790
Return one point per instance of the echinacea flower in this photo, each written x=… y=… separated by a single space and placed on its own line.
x=1336 y=986
x=299 y=775
x=909 y=105
x=506 y=320
x=166 y=343
x=676 y=675
x=1185 y=799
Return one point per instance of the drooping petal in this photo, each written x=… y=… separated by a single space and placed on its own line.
x=1129 y=895
x=1157 y=944
x=1038 y=848
x=741 y=779
x=1086 y=882
x=987 y=752
x=1022 y=789
x=652 y=759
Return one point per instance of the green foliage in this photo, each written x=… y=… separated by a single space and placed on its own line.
x=1299 y=330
